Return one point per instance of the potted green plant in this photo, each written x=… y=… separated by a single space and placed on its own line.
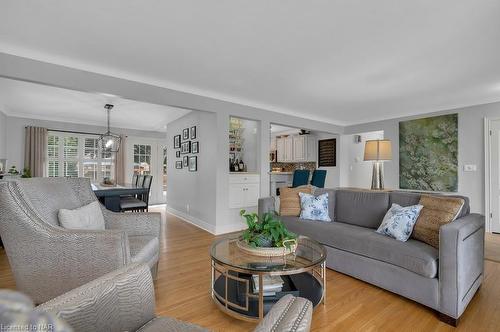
x=266 y=235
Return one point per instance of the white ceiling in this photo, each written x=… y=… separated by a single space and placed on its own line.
x=341 y=61
x=43 y=102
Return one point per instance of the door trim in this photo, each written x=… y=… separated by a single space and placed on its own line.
x=487 y=171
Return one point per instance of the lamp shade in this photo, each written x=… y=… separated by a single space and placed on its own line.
x=378 y=150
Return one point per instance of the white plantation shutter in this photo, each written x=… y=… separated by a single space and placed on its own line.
x=73 y=155
x=70 y=157
x=53 y=155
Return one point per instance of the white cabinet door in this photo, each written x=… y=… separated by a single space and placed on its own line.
x=280 y=149
x=299 y=148
x=251 y=194
x=289 y=148
x=237 y=195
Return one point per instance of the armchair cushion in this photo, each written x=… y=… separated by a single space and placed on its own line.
x=86 y=217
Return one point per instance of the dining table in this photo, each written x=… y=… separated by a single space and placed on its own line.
x=109 y=195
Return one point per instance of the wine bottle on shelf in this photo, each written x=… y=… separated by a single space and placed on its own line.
x=236 y=165
x=241 y=166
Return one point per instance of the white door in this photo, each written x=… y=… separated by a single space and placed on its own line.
x=145 y=156
x=495 y=175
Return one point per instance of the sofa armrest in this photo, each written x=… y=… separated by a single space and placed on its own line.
x=461 y=263
x=122 y=300
x=288 y=314
x=266 y=204
x=144 y=223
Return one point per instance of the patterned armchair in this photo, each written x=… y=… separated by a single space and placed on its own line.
x=124 y=300
x=48 y=260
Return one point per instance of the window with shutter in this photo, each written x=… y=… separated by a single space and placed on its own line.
x=73 y=155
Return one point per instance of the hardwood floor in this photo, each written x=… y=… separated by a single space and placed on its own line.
x=182 y=291
x=492 y=247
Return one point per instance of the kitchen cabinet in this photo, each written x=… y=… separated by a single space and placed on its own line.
x=296 y=148
x=244 y=190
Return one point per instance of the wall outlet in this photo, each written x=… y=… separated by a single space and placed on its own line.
x=470 y=168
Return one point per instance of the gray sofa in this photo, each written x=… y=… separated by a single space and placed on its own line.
x=47 y=259
x=124 y=300
x=444 y=279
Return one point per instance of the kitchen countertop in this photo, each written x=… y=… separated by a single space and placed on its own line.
x=279 y=173
x=245 y=173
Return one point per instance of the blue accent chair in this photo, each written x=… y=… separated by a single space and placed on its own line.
x=300 y=177
x=318 y=178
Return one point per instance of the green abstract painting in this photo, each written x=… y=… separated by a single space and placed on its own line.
x=428 y=153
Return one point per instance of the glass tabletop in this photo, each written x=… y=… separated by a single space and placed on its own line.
x=309 y=253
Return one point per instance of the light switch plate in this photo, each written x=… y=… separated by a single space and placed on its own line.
x=470 y=168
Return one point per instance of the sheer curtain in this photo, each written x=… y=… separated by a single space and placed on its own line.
x=120 y=161
x=35 y=151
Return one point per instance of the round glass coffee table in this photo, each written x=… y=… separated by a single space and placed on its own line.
x=237 y=277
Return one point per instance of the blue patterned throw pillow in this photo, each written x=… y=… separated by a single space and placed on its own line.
x=399 y=221
x=314 y=207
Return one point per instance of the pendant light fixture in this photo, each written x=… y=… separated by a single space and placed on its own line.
x=109 y=142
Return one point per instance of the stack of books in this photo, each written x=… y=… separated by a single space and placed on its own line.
x=272 y=285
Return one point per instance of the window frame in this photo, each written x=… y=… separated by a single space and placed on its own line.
x=80 y=158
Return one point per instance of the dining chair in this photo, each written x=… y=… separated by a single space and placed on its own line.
x=134 y=179
x=318 y=178
x=140 y=203
x=300 y=177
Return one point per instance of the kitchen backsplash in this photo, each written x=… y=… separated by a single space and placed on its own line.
x=290 y=167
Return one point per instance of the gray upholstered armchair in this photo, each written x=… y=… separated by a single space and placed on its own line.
x=48 y=260
x=124 y=300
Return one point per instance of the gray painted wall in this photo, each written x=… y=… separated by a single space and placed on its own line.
x=356 y=172
x=332 y=173
x=15 y=135
x=470 y=148
x=191 y=195
x=3 y=135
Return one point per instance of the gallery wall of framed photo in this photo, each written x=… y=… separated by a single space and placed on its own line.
x=186 y=148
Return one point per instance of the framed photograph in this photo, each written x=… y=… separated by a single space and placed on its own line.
x=193 y=132
x=178 y=153
x=186 y=147
x=185 y=134
x=185 y=161
x=178 y=164
x=195 y=147
x=193 y=164
x=177 y=141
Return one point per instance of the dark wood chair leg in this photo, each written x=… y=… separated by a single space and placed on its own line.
x=448 y=320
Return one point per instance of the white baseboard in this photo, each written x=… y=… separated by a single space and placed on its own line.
x=192 y=220
x=230 y=228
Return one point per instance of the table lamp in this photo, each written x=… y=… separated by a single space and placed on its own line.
x=378 y=151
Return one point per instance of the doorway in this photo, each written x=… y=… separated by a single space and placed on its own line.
x=148 y=157
x=492 y=175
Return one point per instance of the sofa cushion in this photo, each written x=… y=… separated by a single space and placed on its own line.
x=361 y=207
x=86 y=217
x=331 y=199
x=399 y=221
x=412 y=255
x=437 y=211
x=407 y=198
x=290 y=200
x=314 y=207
